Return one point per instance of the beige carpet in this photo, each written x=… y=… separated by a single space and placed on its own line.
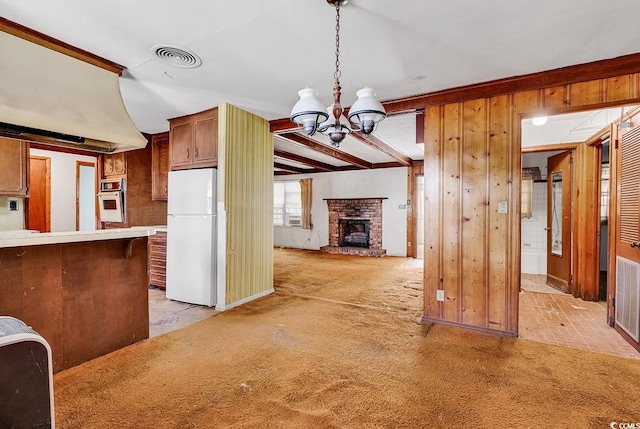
x=338 y=346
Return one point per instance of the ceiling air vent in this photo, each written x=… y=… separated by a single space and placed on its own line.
x=177 y=57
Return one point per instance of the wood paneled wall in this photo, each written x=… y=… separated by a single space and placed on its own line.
x=472 y=162
x=86 y=299
x=142 y=210
x=245 y=166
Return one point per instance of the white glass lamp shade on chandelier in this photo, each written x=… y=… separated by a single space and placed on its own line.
x=365 y=114
x=308 y=111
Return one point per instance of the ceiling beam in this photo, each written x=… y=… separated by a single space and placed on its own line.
x=312 y=144
x=49 y=42
x=303 y=160
x=283 y=125
x=289 y=168
x=626 y=64
x=382 y=146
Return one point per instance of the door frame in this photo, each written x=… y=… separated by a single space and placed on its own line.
x=416 y=169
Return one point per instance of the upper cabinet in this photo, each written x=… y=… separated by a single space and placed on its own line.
x=14 y=164
x=115 y=164
x=159 y=166
x=193 y=140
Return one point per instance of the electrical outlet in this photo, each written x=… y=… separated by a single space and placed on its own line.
x=440 y=295
x=502 y=207
x=13 y=205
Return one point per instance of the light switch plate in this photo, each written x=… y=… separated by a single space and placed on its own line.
x=440 y=295
x=502 y=207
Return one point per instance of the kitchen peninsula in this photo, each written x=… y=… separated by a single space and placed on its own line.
x=85 y=292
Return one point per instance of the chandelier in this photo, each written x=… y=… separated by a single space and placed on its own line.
x=364 y=115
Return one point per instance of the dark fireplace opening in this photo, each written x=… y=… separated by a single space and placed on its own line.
x=354 y=232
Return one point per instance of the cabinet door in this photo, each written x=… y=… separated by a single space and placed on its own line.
x=108 y=167
x=159 y=166
x=14 y=164
x=119 y=163
x=180 y=144
x=114 y=164
x=206 y=141
x=158 y=260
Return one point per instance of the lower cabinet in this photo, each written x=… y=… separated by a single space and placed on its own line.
x=158 y=260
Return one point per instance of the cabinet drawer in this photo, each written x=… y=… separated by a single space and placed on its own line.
x=158 y=260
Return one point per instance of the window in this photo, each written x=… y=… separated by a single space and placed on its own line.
x=287 y=203
x=526 y=199
x=604 y=194
x=529 y=174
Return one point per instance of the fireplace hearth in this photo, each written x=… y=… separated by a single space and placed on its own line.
x=355 y=226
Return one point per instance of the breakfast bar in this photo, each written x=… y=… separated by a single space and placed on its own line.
x=85 y=292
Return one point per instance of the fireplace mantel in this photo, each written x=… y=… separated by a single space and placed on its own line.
x=356 y=199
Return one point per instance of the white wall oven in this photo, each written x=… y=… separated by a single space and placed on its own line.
x=111 y=200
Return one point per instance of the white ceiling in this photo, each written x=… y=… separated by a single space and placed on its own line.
x=257 y=54
x=569 y=128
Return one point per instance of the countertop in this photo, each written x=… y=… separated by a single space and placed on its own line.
x=34 y=238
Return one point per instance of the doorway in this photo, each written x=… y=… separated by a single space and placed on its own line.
x=86 y=191
x=554 y=315
x=39 y=201
x=419 y=207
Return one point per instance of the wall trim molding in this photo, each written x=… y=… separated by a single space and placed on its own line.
x=49 y=42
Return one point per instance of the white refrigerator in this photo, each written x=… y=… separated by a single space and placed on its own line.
x=192 y=237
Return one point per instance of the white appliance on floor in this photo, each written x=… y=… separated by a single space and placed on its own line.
x=192 y=237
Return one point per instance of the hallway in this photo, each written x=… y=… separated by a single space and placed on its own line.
x=552 y=317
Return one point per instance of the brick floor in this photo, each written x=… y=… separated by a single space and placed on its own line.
x=566 y=321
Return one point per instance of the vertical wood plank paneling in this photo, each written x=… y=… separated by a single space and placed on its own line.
x=618 y=88
x=586 y=216
x=474 y=212
x=555 y=98
x=478 y=157
x=585 y=93
x=451 y=214
x=433 y=222
x=498 y=225
x=527 y=101
x=248 y=199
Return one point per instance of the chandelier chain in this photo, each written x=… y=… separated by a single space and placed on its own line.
x=337 y=73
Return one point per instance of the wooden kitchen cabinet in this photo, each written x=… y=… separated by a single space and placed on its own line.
x=193 y=140
x=159 y=166
x=114 y=164
x=158 y=259
x=14 y=165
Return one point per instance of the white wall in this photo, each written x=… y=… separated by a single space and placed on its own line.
x=10 y=220
x=534 y=235
x=380 y=183
x=63 y=187
x=538 y=159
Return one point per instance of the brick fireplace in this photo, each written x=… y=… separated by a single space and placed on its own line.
x=355 y=226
